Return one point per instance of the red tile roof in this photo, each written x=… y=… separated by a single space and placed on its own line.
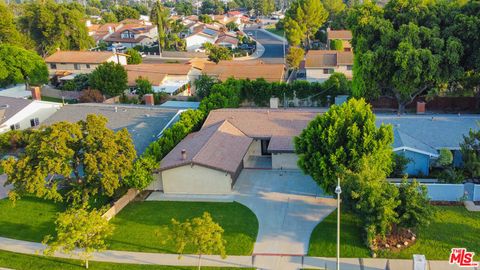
x=81 y=57
x=245 y=70
x=328 y=58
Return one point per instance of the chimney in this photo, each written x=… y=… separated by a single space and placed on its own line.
x=36 y=94
x=420 y=107
x=149 y=100
x=184 y=154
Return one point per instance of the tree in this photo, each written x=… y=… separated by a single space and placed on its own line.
x=264 y=7
x=79 y=83
x=400 y=163
x=220 y=96
x=339 y=139
x=8 y=29
x=302 y=20
x=52 y=26
x=135 y=57
x=336 y=45
x=141 y=8
x=470 y=149
x=216 y=53
x=18 y=65
x=91 y=96
x=401 y=51
x=212 y=7
x=232 y=26
x=125 y=12
x=248 y=4
x=201 y=234
x=142 y=173
x=143 y=86
x=184 y=8
x=109 y=17
x=414 y=209
x=159 y=16
x=334 y=7
x=295 y=56
x=84 y=158
x=205 y=18
x=445 y=158
x=203 y=85
x=79 y=229
x=110 y=78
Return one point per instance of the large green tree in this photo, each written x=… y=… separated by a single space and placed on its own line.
x=264 y=7
x=135 y=57
x=337 y=141
x=217 y=53
x=125 y=12
x=302 y=20
x=294 y=57
x=18 y=65
x=9 y=32
x=403 y=50
x=54 y=26
x=109 y=78
x=83 y=159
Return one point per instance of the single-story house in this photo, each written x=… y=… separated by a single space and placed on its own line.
x=344 y=35
x=77 y=62
x=201 y=35
x=174 y=79
x=321 y=64
x=131 y=35
x=20 y=113
x=420 y=137
x=145 y=123
x=245 y=70
x=210 y=160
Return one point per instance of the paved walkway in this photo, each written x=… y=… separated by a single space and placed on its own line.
x=288 y=206
x=259 y=262
x=472 y=207
x=3 y=190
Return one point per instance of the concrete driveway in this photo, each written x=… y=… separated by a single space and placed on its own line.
x=288 y=206
x=3 y=190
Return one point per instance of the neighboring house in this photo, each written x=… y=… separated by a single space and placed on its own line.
x=227 y=40
x=344 y=35
x=245 y=70
x=76 y=62
x=195 y=41
x=105 y=30
x=144 y=123
x=131 y=35
x=420 y=137
x=210 y=160
x=19 y=113
x=321 y=64
x=174 y=79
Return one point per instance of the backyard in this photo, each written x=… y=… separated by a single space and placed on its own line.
x=141 y=226
x=453 y=226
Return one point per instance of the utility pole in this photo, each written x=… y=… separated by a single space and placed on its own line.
x=338 y=191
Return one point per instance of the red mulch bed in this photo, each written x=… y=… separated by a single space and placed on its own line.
x=397 y=240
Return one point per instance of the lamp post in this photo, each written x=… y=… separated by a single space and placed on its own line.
x=338 y=191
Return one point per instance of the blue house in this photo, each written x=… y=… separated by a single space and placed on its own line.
x=420 y=137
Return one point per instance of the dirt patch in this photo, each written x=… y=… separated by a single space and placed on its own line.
x=397 y=240
x=446 y=203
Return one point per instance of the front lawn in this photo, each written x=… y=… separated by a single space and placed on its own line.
x=29 y=219
x=272 y=29
x=453 y=226
x=27 y=262
x=144 y=226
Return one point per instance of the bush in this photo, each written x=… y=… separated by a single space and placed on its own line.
x=135 y=57
x=414 y=209
x=141 y=175
x=91 y=96
x=445 y=158
x=400 y=163
x=452 y=176
x=336 y=45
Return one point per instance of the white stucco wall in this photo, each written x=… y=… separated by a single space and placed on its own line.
x=284 y=161
x=255 y=149
x=196 y=180
x=40 y=109
x=317 y=75
x=84 y=68
x=196 y=41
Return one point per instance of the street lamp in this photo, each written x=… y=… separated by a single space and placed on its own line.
x=338 y=191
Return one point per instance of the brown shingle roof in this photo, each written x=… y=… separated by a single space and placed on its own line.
x=245 y=70
x=339 y=34
x=221 y=146
x=82 y=57
x=266 y=123
x=327 y=58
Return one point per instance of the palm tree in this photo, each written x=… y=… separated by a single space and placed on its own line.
x=159 y=16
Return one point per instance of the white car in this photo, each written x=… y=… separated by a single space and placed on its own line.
x=250 y=34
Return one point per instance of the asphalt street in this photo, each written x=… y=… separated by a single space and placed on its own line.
x=273 y=46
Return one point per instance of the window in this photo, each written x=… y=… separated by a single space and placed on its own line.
x=88 y=66
x=53 y=66
x=16 y=126
x=328 y=71
x=34 y=122
x=76 y=66
x=349 y=67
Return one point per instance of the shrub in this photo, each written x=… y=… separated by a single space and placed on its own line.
x=91 y=96
x=336 y=45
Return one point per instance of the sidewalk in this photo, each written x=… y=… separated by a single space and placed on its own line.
x=257 y=54
x=261 y=262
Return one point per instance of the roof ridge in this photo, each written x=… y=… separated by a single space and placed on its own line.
x=220 y=124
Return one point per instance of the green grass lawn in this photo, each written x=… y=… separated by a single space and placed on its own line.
x=323 y=241
x=272 y=29
x=27 y=262
x=144 y=226
x=453 y=226
x=57 y=100
x=30 y=219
